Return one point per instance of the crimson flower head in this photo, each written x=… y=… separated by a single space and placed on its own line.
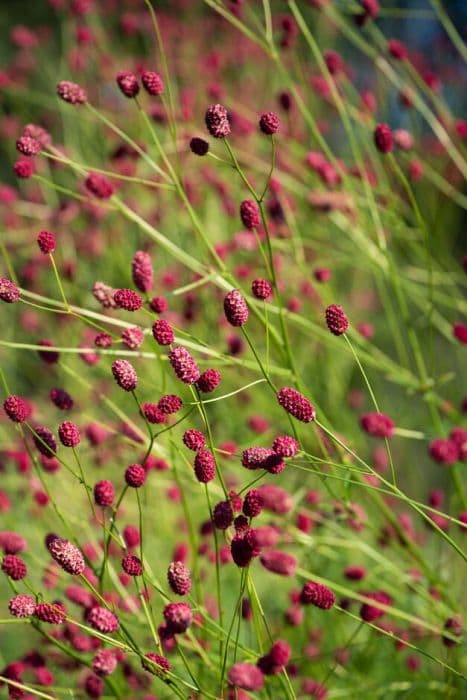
x=253 y=503
x=162 y=332
x=105 y=662
x=370 y=613
x=250 y=214
x=193 y=439
x=125 y=375
x=128 y=299
x=444 y=451
x=22 y=605
x=279 y=562
x=44 y=441
x=269 y=123
x=14 y=567
x=131 y=565
x=142 y=271
x=71 y=92
x=377 y=424
x=296 y=404
x=46 y=242
x=184 y=365
x=9 y=292
x=102 y=619
x=261 y=288
x=17 y=409
x=69 y=434
x=179 y=578
x=384 y=141
x=169 y=403
x=318 y=595
x=67 y=555
x=152 y=82
x=235 y=308
x=209 y=380
x=178 y=617
x=205 y=466
x=104 y=493
x=99 y=186
x=128 y=83
x=135 y=475
x=336 y=320
x=246 y=676
x=217 y=121
x=28 y=146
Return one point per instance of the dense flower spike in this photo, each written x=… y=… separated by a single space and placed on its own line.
x=370 y=613
x=193 y=439
x=235 y=308
x=279 y=562
x=28 y=146
x=217 y=121
x=22 y=605
x=383 y=138
x=285 y=446
x=184 y=365
x=261 y=289
x=250 y=214
x=132 y=337
x=178 y=617
x=71 y=92
x=128 y=299
x=253 y=503
x=246 y=676
x=269 y=123
x=102 y=620
x=296 y=404
x=46 y=242
x=276 y=659
x=67 y=555
x=199 y=146
x=170 y=403
x=105 y=662
x=53 y=613
x=156 y=664
x=162 y=332
x=142 y=271
x=99 y=186
x=208 y=381
x=153 y=413
x=69 y=434
x=104 y=493
x=14 y=567
x=131 y=565
x=223 y=515
x=444 y=451
x=377 y=424
x=135 y=475
x=179 y=578
x=336 y=320
x=318 y=595
x=205 y=466
x=152 y=82
x=17 y=409
x=125 y=375
x=128 y=83
x=9 y=292
x=44 y=441
x=61 y=399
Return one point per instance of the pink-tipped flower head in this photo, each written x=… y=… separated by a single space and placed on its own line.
x=28 y=146
x=9 y=292
x=22 y=605
x=317 y=594
x=156 y=664
x=153 y=414
x=128 y=83
x=296 y=404
x=162 y=332
x=152 y=82
x=14 y=567
x=170 y=403
x=336 y=320
x=246 y=676
x=261 y=289
x=179 y=578
x=178 y=617
x=125 y=375
x=128 y=299
x=102 y=619
x=193 y=439
x=205 y=466
x=285 y=446
x=132 y=337
x=23 y=168
x=104 y=493
x=17 y=409
x=69 y=434
x=105 y=662
x=253 y=503
x=208 y=381
x=135 y=476
x=184 y=365
x=67 y=555
x=269 y=123
x=250 y=214
x=377 y=425
x=52 y=613
x=235 y=308
x=46 y=242
x=142 y=271
x=383 y=138
x=217 y=121
x=71 y=93
x=131 y=565
x=44 y=441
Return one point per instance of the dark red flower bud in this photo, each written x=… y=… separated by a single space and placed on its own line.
x=128 y=299
x=135 y=475
x=336 y=319
x=178 y=617
x=142 y=271
x=246 y=676
x=104 y=493
x=279 y=562
x=250 y=214
x=28 y=146
x=9 y=292
x=217 y=121
x=53 y=613
x=208 y=381
x=23 y=168
x=71 y=92
x=222 y=515
x=193 y=439
x=370 y=613
x=124 y=375
x=296 y=404
x=205 y=466
x=162 y=332
x=153 y=413
x=235 y=308
x=14 y=567
x=317 y=594
x=46 y=242
x=69 y=434
x=17 y=409
x=45 y=441
x=156 y=664
x=61 y=399
x=383 y=138
x=377 y=424
x=444 y=451
x=261 y=289
x=285 y=446
x=152 y=82
x=170 y=403
x=99 y=186
x=179 y=578
x=158 y=305
x=253 y=503
x=199 y=146
x=184 y=365
x=128 y=83
x=132 y=565
x=269 y=123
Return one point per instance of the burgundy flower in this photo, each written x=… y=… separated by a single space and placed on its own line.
x=276 y=659
x=28 y=146
x=199 y=146
x=124 y=375
x=17 y=409
x=244 y=548
x=51 y=357
x=104 y=493
x=71 y=92
x=184 y=365
x=370 y=613
x=354 y=573
x=132 y=337
x=152 y=82
x=253 y=503
x=269 y=123
x=296 y=404
x=444 y=451
x=94 y=686
x=246 y=676
x=285 y=446
x=61 y=399
x=318 y=595
x=208 y=380
x=142 y=271
x=69 y=434
x=217 y=121
x=132 y=565
x=383 y=138
x=261 y=289
x=128 y=299
x=170 y=403
x=46 y=242
x=22 y=605
x=44 y=441
x=102 y=619
x=162 y=332
x=11 y=542
x=222 y=515
x=205 y=466
x=235 y=308
x=250 y=214
x=53 y=613
x=257 y=457
x=377 y=424
x=135 y=475
x=67 y=555
x=104 y=295
x=158 y=305
x=179 y=578
x=9 y=292
x=99 y=186
x=23 y=168
x=157 y=665
x=105 y=662
x=193 y=439
x=128 y=83
x=279 y=562
x=336 y=320
x=459 y=331
x=14 y=567
x=153 y=414
x=178 y=617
